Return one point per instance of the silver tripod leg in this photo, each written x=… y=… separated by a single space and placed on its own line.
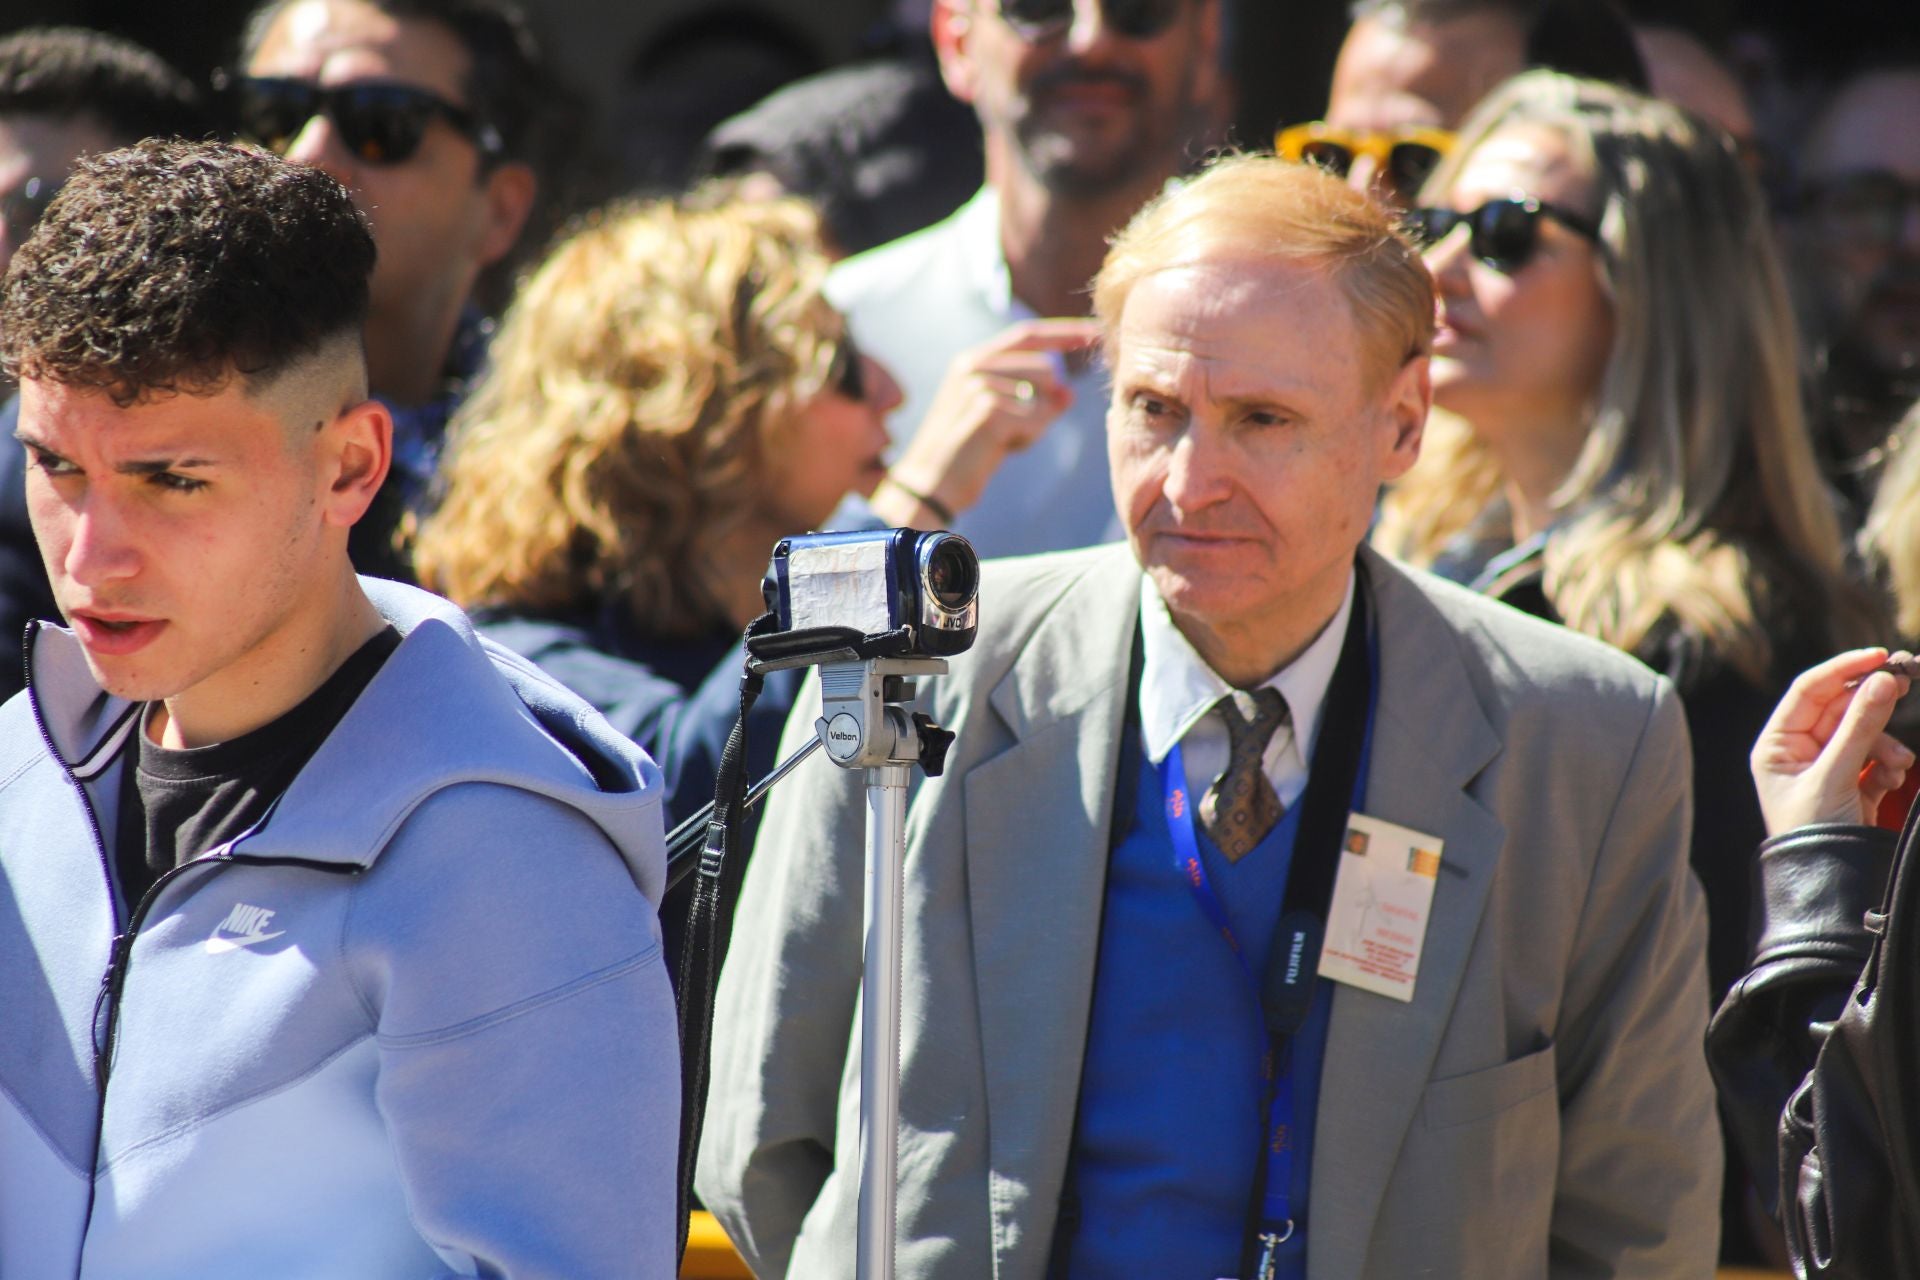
x=880 y=1020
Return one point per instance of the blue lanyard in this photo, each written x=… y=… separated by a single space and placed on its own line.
x=1298 y=931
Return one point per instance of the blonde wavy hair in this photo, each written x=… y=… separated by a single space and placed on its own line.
x=1696 y=491
x=1890 y=538
x=633 y=412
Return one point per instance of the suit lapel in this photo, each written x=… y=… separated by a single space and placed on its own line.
x=1037 y=830
x=1431 y=738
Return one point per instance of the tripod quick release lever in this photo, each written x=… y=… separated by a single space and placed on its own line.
x=934 y=742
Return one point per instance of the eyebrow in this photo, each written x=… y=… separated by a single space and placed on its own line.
x=159 y=466
x=137 y=467
x=1291 y=395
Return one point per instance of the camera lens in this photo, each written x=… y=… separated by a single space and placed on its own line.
x=952 y=574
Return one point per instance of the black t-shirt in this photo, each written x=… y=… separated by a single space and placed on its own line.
x=176 y=805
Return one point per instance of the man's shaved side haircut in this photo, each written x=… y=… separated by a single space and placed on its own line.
x=172 y=267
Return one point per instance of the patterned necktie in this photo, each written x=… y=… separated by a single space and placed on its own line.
x=1241 y=807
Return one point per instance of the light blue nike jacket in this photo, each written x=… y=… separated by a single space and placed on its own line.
x=415 y=1023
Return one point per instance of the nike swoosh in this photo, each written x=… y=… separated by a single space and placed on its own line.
x=216 y=946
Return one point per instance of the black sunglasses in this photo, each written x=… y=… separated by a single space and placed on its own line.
x=1504 y=233
x=846 y=374
x=380 y=123
x=1047 y=19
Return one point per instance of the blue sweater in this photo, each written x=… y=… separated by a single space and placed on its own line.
x=1171 y=1092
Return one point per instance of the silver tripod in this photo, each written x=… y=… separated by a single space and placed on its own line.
x=864 y=724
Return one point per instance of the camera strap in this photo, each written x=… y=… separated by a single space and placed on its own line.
x=709 y=928
x=1336 y=788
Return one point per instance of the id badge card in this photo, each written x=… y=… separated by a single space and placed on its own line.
x=1382 y=896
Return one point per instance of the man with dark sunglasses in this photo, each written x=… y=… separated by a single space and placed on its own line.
x=429 y=112
x=1857 y=232
x=1087 y=108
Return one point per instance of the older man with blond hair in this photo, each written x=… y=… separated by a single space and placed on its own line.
x=1281 y=911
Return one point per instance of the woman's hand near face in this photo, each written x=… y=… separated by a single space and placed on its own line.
x=996 y=400
x=1825 y=754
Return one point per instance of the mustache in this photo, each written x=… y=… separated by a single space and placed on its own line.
x=1072 y=74
x=1212 y=523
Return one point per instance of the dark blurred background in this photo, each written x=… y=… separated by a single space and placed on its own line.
x=658 y=73
x=650 y=63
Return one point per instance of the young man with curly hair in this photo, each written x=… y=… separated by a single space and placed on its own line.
x=329 y=932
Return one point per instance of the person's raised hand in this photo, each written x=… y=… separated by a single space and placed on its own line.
x=996 y=400
x=1825 y=754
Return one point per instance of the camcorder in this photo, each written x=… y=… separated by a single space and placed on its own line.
x=889 y=593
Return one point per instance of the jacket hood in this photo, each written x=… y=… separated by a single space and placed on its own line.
x=447 y=707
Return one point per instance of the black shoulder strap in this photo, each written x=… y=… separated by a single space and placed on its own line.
x=709 y=928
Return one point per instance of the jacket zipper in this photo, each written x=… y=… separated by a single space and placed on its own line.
x=106 y=1003
x=115 y=956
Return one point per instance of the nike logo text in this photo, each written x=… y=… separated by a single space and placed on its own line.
x=245 y=925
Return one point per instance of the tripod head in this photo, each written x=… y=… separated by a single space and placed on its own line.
x=863 y=722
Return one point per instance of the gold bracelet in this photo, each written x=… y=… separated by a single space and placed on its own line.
x=941 y=510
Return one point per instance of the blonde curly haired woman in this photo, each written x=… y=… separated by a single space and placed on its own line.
x=669 y=395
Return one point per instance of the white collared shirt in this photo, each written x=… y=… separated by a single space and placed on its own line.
x=1178 y=691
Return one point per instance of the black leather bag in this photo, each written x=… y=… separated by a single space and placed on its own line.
x=1849 y=1136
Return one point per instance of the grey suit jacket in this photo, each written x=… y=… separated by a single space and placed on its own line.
x=1540 y=1108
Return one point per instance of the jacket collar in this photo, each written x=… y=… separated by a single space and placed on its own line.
x=438 y=712
x=86 y=726
x=1432 y=738
x=1037 y=820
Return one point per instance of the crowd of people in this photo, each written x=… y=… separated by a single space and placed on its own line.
x=383 y=533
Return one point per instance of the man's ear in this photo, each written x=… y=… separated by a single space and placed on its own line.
x=359 y=452
x=1404 y=408
x=510 y=189
x=951 y=25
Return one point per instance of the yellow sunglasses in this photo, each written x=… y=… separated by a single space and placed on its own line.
x=1403 y=156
